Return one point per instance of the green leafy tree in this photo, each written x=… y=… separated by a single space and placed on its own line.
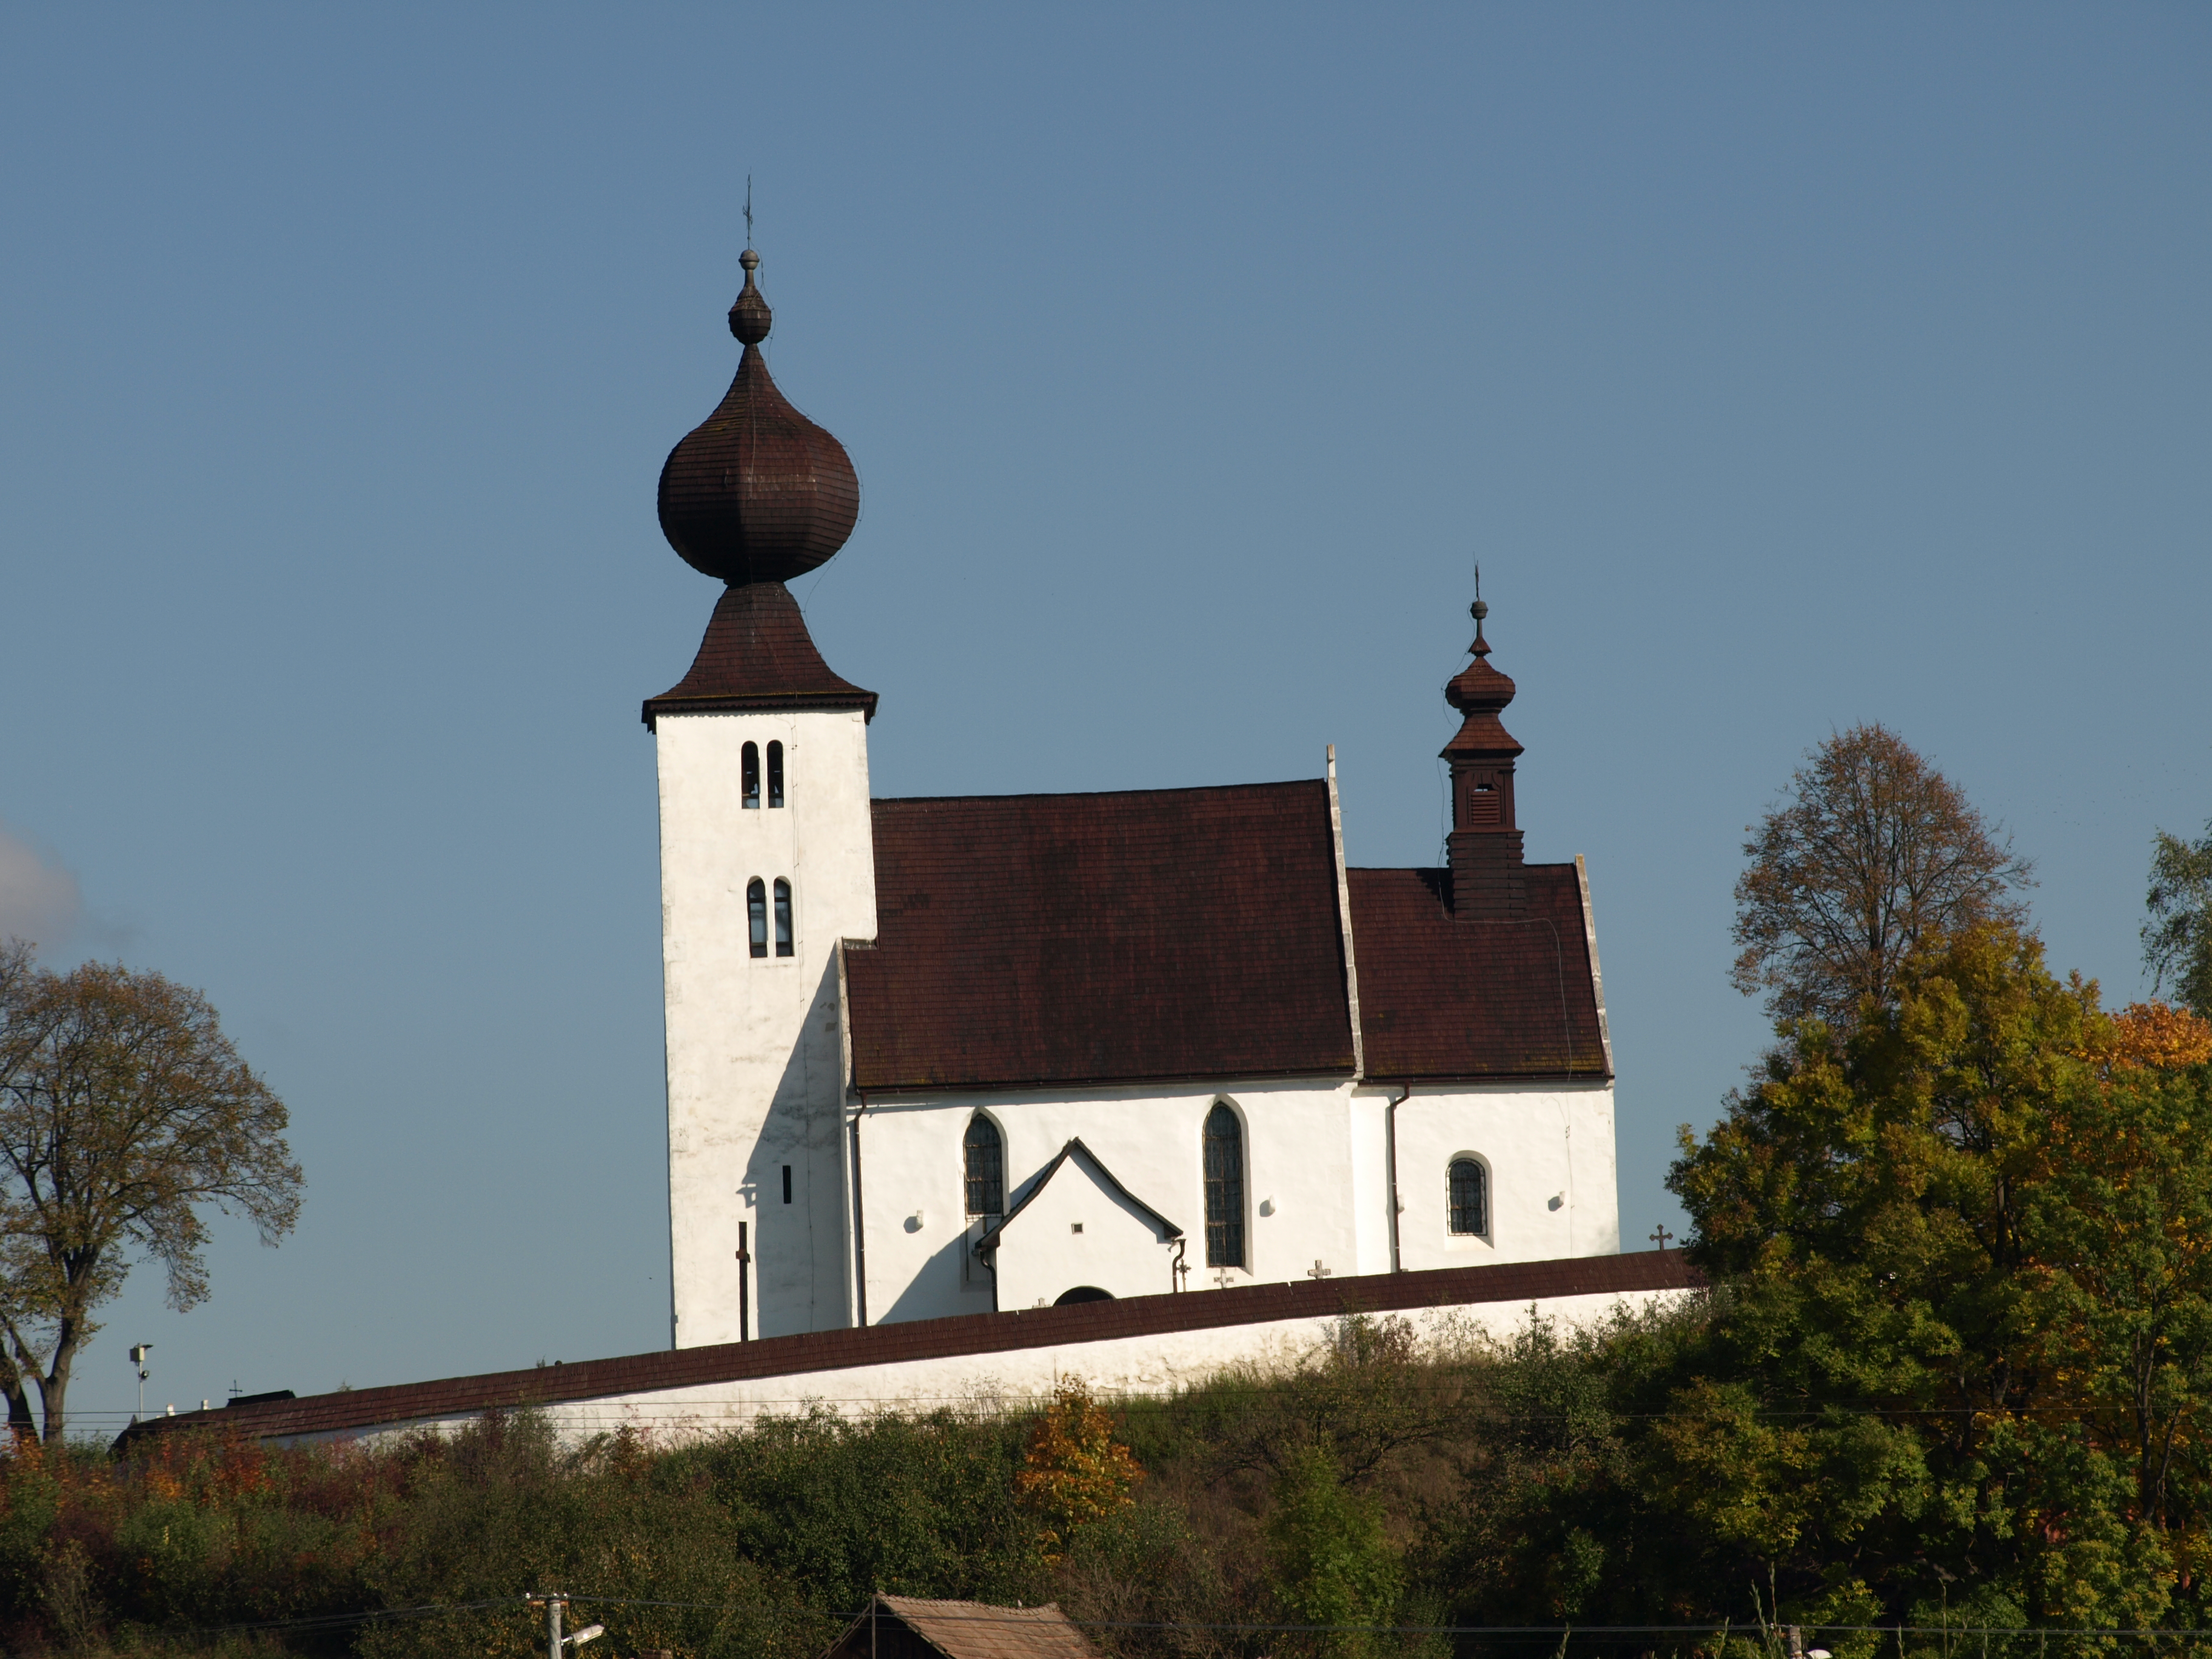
x=125 y=1112
x=2177 y=940
x=1948 y=1303
x=1871 y=855
x=1333 y=1561
x=2121 y=1229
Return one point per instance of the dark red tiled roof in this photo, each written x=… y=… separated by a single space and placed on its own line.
x=357 y=1410
x=1049 y=939
x=759 y=654
x=1443 y=998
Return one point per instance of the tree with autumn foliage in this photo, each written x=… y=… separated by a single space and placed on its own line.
x=1967 y=1339
x=124 y=1113
x=1075 y=1471
x=1871 y=855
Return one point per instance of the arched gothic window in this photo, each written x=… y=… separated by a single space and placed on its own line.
x=986 y=1156
x=756 y=914
x=1224 y=1189
x=775 y=775
x=749 y=773
x=1470 y=1197
x=783 y=917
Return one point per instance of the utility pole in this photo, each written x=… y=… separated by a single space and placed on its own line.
x=138 y=1358
x=555 y=1643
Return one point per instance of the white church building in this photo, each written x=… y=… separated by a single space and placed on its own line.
x=949 y=1056
x=968 y=1096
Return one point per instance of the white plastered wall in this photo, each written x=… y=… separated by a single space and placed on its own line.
x=1152 y=1365
x=1317 y=1187
x=755 y=1082
x=1077 y=1232
x=1548 y=1151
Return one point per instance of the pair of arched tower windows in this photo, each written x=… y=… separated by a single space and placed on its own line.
x=756 y=912
x=749 y=769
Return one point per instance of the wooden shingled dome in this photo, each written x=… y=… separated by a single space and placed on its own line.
x=757 y=492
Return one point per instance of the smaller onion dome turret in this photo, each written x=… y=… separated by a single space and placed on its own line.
x=757 y=492
x=1489 y=882
x=1481 y=693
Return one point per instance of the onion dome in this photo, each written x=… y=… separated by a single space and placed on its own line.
x=1480 y=692
x=757 y=492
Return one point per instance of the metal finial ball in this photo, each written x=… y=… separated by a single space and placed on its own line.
x=1478 y=610
x=750 y=260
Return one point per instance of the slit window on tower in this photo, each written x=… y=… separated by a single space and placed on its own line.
x=756 y=914
x=986 y=1156
x=783 y=917
x=1224 y=1189
x=775 y=775
x=749 y=772
x=1470 y=1197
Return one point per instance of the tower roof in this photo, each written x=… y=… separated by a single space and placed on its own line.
x=758 y=654
x=757 y=492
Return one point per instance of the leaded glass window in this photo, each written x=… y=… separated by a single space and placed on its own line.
x=1470 y=1197
x=1224 y=1189
x=986 y=1157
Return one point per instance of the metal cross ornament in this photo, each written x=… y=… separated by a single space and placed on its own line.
x=1221 y=1278
x=1660 y=1236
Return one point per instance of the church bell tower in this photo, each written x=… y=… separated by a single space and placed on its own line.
x=1488 y=879
x=766 y=863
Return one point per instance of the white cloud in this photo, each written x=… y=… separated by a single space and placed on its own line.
x=38 y=899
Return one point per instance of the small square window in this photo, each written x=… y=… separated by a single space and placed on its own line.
x=1075 y=1226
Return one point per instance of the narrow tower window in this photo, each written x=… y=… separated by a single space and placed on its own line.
x=987 y=1167
x=749 y=773
x=1470 y=1197
x=783 y=917
x=757 y=912
x=1224 y=1189
x=787 y=1183
x=775 y=775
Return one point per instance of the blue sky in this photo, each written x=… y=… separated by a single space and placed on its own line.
x=1785 y=367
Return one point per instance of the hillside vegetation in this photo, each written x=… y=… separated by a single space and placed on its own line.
x=1952 y=1376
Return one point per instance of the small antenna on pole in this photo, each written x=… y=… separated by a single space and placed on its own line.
x=749 y=209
